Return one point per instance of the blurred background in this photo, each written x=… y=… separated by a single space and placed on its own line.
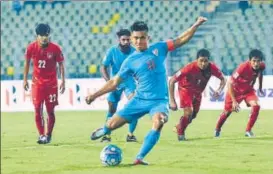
x=85 y=30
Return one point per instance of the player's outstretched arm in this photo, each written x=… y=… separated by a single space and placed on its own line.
x=104 y=72
x=187 y=35
x=26 y=70
x=62 y=72
x=173 y=105
x=110 y=85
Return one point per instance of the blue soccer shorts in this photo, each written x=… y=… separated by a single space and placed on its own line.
x=136 y=108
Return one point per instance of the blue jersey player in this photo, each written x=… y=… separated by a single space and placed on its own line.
x=147 y=65
x=113 y=59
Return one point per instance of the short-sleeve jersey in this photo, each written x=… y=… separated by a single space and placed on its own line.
x=114 y=58
x=191 y=77
x=244 y=77
x=44 y=62
x=149 y=70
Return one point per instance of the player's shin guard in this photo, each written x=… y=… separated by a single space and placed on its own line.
x=132 y=126
x=223 y=117
x=149 y=142
x=253 y=117
x=39 y=119
x=50 y=119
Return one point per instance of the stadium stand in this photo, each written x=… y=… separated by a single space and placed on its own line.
x=85 y=30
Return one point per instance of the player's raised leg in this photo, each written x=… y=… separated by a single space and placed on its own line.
x=112 y=124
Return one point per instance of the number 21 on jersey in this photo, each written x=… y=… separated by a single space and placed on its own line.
x=151 y=64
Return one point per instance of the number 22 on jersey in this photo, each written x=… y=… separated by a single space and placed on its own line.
x=41 y=63
x=52 y=98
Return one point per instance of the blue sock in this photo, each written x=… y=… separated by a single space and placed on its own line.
x=106 y=130
x=149 y=142
x=132 y=126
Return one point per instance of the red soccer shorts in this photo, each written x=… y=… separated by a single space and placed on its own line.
x=190 y=99
x=239 y=98
x=43 y=93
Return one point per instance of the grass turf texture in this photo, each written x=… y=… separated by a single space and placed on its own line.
x=72 y=152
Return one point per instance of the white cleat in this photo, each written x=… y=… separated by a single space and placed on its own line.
x=249 y=134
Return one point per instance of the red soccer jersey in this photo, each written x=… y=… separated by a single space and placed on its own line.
x=244 y=77
x=44 y=62
x=191 y=77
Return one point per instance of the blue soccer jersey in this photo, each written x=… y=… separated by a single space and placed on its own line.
x=149 y=70
x=114 y=58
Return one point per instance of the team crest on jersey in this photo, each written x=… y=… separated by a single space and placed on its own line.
x=49 y=55
x=235 y=75
x=155 y=51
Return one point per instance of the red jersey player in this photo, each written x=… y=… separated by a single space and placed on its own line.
x=45 y=55
x=192 y=80
x=241 y=88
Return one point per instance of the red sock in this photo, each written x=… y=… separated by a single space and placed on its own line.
x=39 y=119
x=253 y=117
x=183 y=123
x=223 y=117
x=50 y=119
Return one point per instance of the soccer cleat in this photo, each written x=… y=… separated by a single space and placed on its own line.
x=217 y=133
x=97 y=134
x=48 y=139
x=41 y=139
x=181 y=138
x=140 y=162
x=249 y=134
x=106 y=139
x=131 y=138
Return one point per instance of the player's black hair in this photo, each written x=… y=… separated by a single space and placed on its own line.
x=255 y=53
x=203 y=53
x=139 y=26
x=123 y=32
x=42 y=29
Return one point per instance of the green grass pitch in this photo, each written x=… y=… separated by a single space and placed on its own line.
x=72 y=152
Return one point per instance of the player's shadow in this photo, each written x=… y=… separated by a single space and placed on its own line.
x=200 y=138
x=131 y=165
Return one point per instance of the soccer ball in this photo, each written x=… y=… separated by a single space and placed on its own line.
x=111 y=155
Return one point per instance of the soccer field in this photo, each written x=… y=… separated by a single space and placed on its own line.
x=71 y=150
